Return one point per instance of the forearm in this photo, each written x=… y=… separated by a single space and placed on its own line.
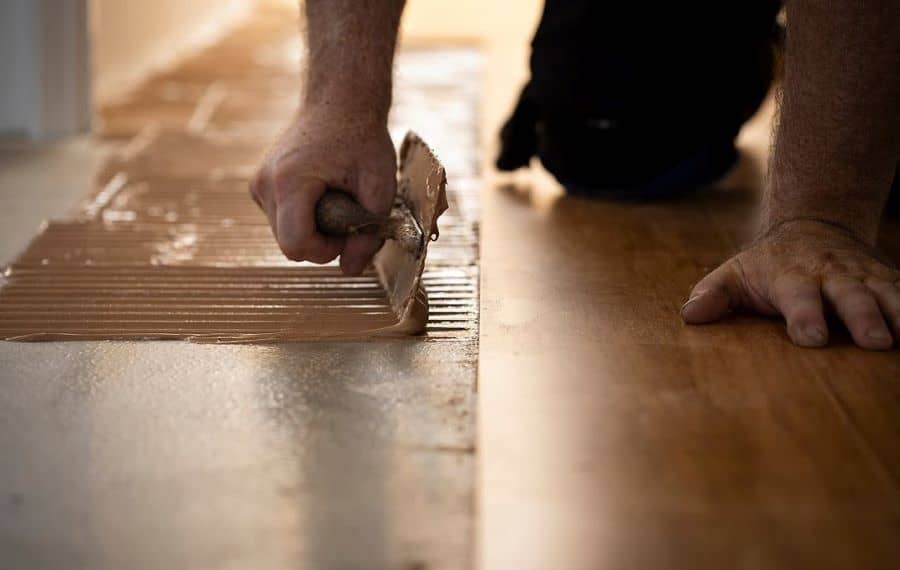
x=838 y=137
x=351 y=51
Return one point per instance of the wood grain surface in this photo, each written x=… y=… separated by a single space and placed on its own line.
x=614 y=436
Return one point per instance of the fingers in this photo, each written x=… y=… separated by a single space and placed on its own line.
x=376 y=186
x=856 y=306
x=261 y=194
x=376 y=194
x=799 y=300
x=887 y=295
x=295 y=222
x=358 y=253
x=289 y=202
x=715 y=296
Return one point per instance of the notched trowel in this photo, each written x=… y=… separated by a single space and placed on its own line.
x=412 y=223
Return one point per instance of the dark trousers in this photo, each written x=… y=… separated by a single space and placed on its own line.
x=641 y=61
x=622 y=92
x=643 y=96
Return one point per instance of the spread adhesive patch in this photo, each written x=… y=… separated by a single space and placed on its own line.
x=170 y=246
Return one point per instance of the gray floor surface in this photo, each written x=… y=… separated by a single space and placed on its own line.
x=179 y=455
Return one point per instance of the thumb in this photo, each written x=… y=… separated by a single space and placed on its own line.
x=715 y=296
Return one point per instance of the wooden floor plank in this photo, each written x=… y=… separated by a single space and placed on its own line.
x=612 y=435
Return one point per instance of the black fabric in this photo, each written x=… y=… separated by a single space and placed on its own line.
x=646 y=61
x=623 y=92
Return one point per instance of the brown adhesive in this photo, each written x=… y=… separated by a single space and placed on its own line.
x=193 y=260
x=171 y=247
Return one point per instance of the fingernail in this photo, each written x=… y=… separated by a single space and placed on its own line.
x=815 y=335
x=689 y=301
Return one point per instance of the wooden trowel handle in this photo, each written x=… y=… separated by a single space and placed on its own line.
x=339 y=215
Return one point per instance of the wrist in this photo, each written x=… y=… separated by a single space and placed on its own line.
x=788 y=201
x=341 y=115
x=805 y=222
x=811 y=225
x=352 y=100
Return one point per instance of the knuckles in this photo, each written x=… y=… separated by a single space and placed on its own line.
x=299 y=167
x=283 y=178
x=808 y=259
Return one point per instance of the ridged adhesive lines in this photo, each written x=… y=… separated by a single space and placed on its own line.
x=171 y=247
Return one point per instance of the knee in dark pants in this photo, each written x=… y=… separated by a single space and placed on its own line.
x=609 y=80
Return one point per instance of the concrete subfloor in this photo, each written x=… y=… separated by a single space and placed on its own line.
x=178 y=455
x=173 y=455
x=40 y=182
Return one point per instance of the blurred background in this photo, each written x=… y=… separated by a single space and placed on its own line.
x=62 y=59
x=68 y=66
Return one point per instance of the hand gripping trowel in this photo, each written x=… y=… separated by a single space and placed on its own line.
x=421 y=199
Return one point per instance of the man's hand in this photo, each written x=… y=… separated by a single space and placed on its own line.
x=319 y=150
x=798 y=270
x=340 y=137
x=835 y=153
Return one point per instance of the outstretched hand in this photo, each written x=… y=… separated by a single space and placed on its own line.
x=321 y=150
x=801 y=270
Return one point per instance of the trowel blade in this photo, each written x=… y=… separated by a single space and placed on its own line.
x=422 y=188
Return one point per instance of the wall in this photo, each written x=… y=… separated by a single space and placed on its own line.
x=44 y=68
x=19 y=68
x=133 y=37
